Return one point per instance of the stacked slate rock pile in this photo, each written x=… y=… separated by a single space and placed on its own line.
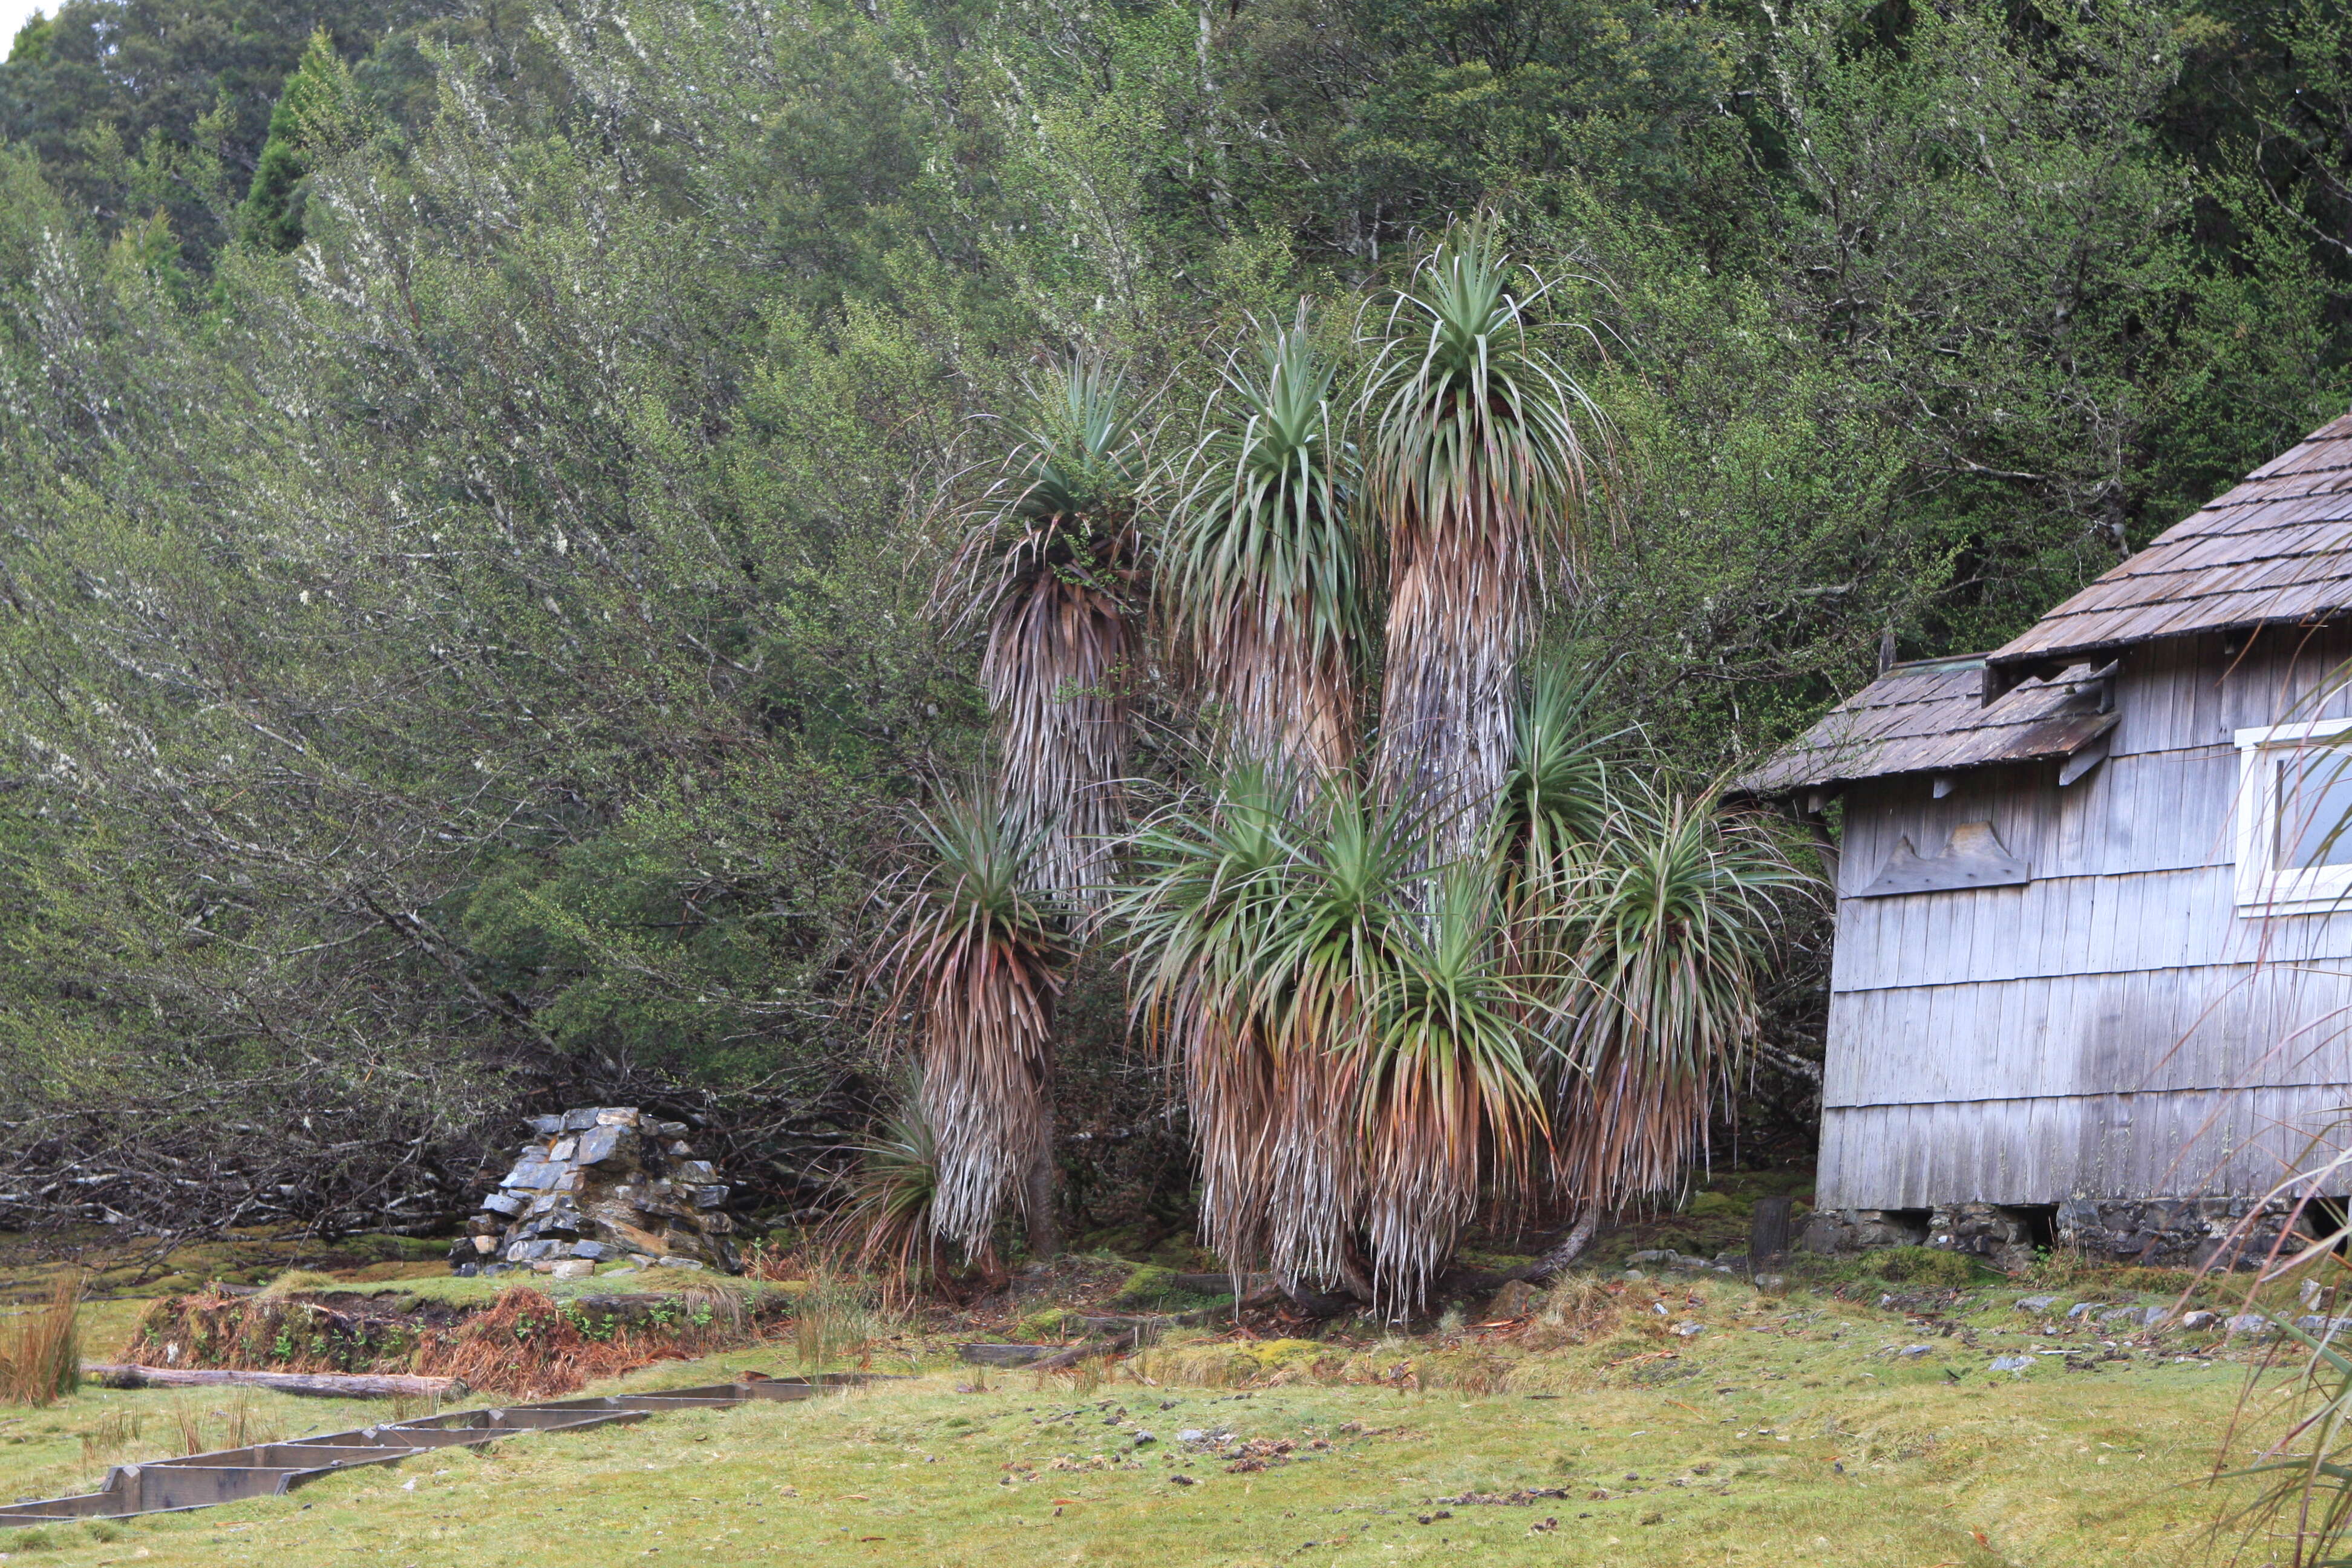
x=601 y=1184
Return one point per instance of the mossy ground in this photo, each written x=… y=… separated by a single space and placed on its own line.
x=1786 y=1430
x=110 y=1265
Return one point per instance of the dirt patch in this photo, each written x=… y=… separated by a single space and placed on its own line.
x=522 y=1343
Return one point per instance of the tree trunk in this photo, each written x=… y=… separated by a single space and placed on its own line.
x=1566 y=1249
x=1037 y=1199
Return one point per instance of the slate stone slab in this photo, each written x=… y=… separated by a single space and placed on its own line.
x=2036 y=1304
x=599 y=1145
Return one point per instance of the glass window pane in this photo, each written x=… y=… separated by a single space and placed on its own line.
x=2314 y=809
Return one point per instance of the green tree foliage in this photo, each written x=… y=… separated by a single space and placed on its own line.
x=320 y=110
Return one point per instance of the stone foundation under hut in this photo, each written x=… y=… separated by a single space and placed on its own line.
x=598 y=1186
x=2165 y=1233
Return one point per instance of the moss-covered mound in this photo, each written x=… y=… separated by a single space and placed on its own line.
x=520 y=1342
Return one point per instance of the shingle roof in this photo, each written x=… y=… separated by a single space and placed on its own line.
x=2276 y=548
x=1930 y=716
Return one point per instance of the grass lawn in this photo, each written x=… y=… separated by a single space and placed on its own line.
x=1785 y=1431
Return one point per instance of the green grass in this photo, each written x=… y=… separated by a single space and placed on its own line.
x=1723 y=1448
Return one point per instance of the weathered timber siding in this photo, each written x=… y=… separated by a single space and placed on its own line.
x=2113 y=1027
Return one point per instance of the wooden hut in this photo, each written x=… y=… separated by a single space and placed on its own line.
x=2093 y=976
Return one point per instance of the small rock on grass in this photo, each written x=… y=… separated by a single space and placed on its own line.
x=2012 y=1363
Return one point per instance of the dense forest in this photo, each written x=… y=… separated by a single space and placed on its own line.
x=475 y=480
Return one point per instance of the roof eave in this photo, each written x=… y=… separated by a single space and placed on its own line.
x=2004 y=671
x=2055 y=739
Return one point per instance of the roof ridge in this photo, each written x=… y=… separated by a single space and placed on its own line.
x=2276 y=547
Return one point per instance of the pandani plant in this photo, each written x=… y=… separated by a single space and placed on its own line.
x=1260 y=573
x=888 y=1224
x=1479 y=477
x=1052 y=569
x=976 y=963
x=1356 y=1069
x=1643 y=916
x=1405 y=972
x=1202 y=885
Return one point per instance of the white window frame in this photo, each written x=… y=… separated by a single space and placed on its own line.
x=2264 y=887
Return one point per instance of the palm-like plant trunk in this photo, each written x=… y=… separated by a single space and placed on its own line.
x=1460 y=607
x=985 y=1071
x=1055 y=670
x=1290 y=701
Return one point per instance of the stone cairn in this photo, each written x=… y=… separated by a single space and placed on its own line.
x=602 y=1185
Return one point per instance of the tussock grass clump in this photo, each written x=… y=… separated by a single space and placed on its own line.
x=114 y=1430
x=297 y=1281
x=40 y=1350
x=835 y=1317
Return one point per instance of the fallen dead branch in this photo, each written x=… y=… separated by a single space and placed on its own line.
x=330 y=1385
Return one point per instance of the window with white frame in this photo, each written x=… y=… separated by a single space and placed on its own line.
x=2294 y=816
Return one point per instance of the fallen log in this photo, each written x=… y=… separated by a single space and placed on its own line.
x=1002 y=1355
x=1049 y=1358
x=328 y=1385
x=1118 y=1344
x=1223 y=1284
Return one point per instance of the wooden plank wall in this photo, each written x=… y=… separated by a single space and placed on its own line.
x=2113 y=1027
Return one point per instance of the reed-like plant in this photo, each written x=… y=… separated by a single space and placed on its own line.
x=1052 y=569
x=1262 y=575
x=41 y=1348
x=977 y=962
x=2297 y=1410
x=1477 y=471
